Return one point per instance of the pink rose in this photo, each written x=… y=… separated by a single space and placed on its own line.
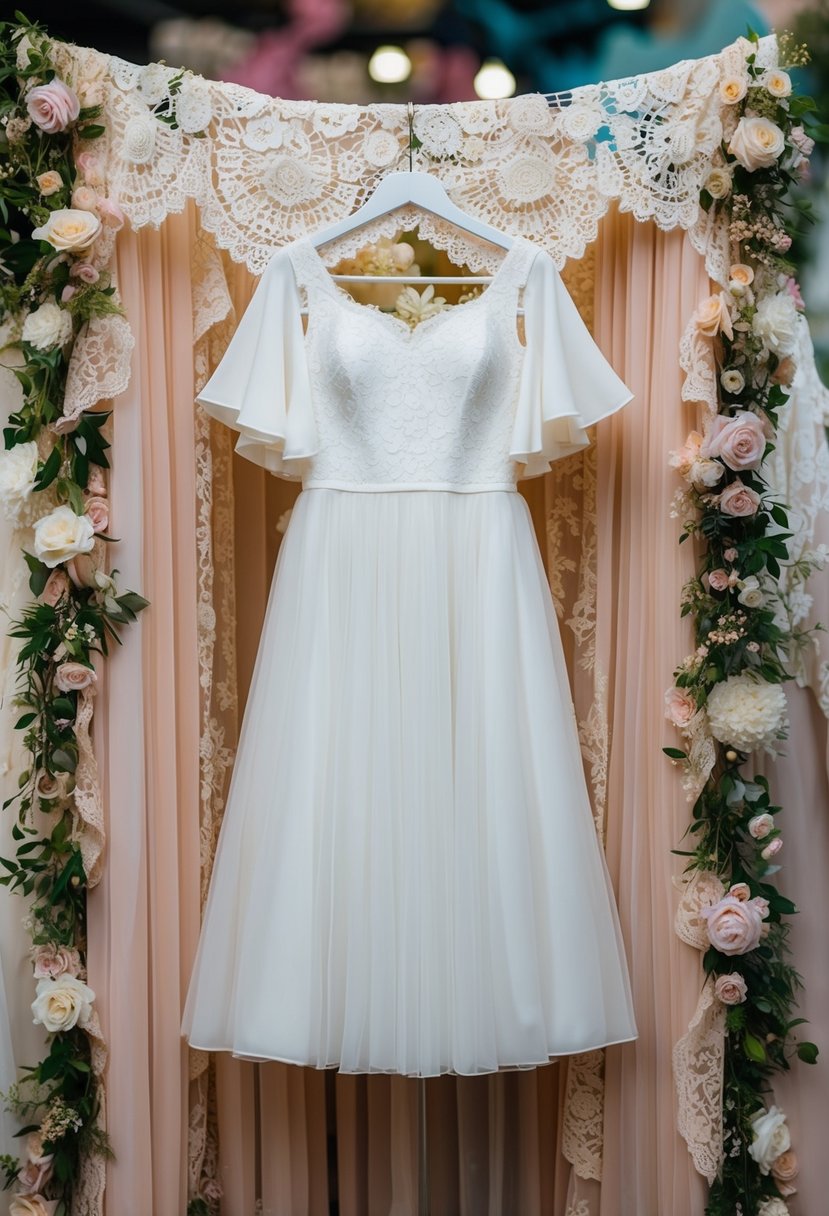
x=801 y=140
x=760 y=826
x=762 y=905
x=772 y=848
x=111 y=213
x=82 y=570
x=718 y=580
x=730 y=555
x=84 y=271
x=739 y=500
x=734 y=926
x=740 y=890
x=90 y=167
x=72 y=677
x=84 y=198
x=96 y=482
x=50 y=962
x=731 y=989
x=784 y=1170
x=52 y=106
x=97 y=511
x=32 y=1178
x=57 y=586
x=739 y=441
x=680 y=706
x=793 y=288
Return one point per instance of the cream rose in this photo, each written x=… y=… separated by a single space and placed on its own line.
x=739 y=441
x=718 y=183
x=53 y=106
x=757 y=143
x=778 y=83
x=731 y=989
x=775 y=322
x=32 y=1178
x=739 y=500
x=680 y=706
x=751 y=593
x=62 y=535
x=732 y=380
x=712 y=316
x=32 y=1205
x=49 y=182
x=784 y=1170
x=760 y=825
x=733 y=89
x=47 y=327
x=84 y=198
x=18 y=470
x=51 y=962
x=771 y=1138
x=734 y=925
x=742 y=274
x=69 y=229
x=62 y=1003
x=72 y=677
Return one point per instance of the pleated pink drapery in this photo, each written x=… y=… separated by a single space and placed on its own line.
x=493 y=1142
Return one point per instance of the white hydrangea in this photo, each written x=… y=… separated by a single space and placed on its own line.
x=747 y=713
x=18 y=469
x=775 y=322
x=48 y=326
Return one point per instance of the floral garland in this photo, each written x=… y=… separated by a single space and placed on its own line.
x=728 y=692
x=55 y=239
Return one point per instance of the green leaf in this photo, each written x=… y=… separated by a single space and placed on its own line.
x=63 y=707
x=754 y=1048
x=94 y=131
x=25 y=721
x=807 y=1052
x=64 y=760
x=39 y=575
x=675 y=753
x=49 y=469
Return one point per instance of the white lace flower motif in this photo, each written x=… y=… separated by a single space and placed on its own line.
x=478 y=117
x=530 y=115
x=333 y=121
x=438 y=132
x=414 y=306
x=381 y=148
x=526 y=179
x=153 y=83
x=139 y=139
x=264 y=134
x=194 y=107
x=581 y=122
x=291 y=181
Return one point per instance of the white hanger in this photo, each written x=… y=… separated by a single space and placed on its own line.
x=412 y=189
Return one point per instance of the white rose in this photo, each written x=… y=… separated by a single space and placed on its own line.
x=61 y=535
x=778 y=83
x=18 y=469
x=69 y=229
x=718 y=183
x=757 y=143
x=773 y=1207
x=732 y=380
x=48 y=326
x=775 y=322
x=733 y=89
x=32 y=1205
x=750 y=592
x=704 y=472
x=771 y=1137
x=62 y=1003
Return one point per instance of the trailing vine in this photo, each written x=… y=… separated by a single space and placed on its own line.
x=728 y=698
x=54 y=241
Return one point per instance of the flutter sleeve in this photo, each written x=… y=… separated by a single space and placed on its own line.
x=261 y=387
x=566 y=383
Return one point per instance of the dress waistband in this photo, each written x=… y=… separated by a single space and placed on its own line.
x=390 y=487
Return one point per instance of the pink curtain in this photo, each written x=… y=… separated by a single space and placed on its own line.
x=297 y=1139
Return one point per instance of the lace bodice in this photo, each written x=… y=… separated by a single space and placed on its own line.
x=362 y=401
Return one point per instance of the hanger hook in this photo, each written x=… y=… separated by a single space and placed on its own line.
x=410 y=110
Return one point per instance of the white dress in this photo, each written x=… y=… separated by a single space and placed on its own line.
x=408 y=878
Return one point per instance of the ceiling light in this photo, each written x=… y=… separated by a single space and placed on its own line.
x=628 y=6
x=389 y=65
x=494 y=79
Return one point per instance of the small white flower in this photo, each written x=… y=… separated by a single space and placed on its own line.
x=47 y=327
x=732 y=380
x=415 y=307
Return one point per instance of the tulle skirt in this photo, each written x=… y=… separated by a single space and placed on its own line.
x=408 y=878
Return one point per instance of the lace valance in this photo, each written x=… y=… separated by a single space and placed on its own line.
x=263 y=171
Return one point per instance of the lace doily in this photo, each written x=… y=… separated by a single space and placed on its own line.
x=698 y=1071
x=263 y=171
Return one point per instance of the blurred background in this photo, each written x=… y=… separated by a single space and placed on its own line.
x=456 y=50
